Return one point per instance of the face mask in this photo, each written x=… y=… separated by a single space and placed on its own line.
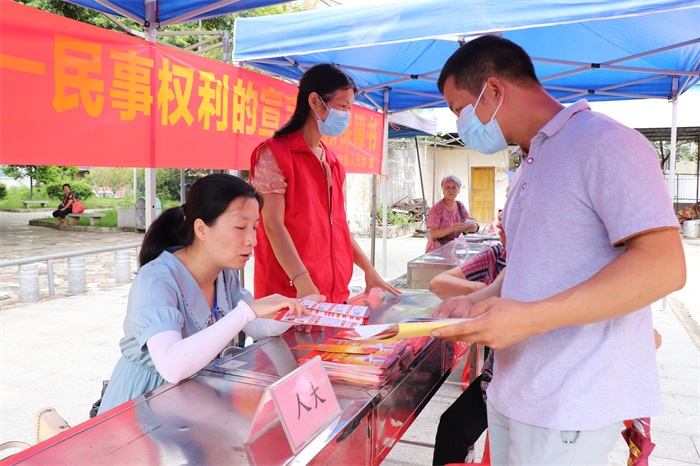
x=336 y=122
x=485 y=138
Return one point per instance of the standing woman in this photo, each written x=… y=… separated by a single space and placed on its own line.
x=304 y=243
x=446 y=218
x=66 y=206
x=186 y=304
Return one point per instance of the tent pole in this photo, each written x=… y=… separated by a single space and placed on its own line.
x=385 y=185
x=420 y=174
x=434 y=171
x=151 y=32
x=182 y=186
x=674 y=137
x=373 y=229
x=697 y=173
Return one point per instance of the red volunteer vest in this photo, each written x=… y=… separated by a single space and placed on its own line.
x=321 y=236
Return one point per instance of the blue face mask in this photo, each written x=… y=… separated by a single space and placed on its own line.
x=485 y=138
x=336 y=122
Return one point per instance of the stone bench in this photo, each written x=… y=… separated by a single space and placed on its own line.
x=27 y=203
x=75 y=218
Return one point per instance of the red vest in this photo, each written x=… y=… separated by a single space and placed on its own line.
x=322 y=237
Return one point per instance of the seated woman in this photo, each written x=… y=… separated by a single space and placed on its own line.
x=186 y=304
x=446 y=219
x=66 y=206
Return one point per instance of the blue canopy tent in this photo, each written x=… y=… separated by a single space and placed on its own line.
x=603 y=50
x=156 y=14
x=394 y=50
x=172 y=11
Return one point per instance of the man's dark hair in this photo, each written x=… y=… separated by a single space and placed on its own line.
x=474 y=62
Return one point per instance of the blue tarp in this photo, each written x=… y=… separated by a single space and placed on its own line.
x=600 y=50
x=174 y=11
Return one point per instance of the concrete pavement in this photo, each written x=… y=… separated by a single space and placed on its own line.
x=56 y=352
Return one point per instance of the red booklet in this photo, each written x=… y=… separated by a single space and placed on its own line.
x=378 y=367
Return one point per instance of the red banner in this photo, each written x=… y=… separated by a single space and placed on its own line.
x=75 y=94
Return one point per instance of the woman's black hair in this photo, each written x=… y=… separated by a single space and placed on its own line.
x=66 y=184
x=208 y=198
x=324 y=79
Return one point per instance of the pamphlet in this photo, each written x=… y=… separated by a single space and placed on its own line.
x=327 y=314
x=345 y=309
x=349 y=347
x=397 y=331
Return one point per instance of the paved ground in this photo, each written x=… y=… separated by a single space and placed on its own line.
x=56 y=352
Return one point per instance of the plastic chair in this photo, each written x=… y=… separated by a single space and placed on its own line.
x=48 y=423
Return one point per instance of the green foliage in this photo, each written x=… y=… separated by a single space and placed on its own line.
x=112 y=177
x=3 y=191
x=398 y=218
x=39 y=174
x=168 y=181
x=78 y=13
x=55 y=190
x=220 y=23
x=394 y=218
x=17 y=194
x=685 y=150
x=81 y=190
x=99 y=202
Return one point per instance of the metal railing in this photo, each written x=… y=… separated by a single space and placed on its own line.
x=49 y=258
x=687 y=187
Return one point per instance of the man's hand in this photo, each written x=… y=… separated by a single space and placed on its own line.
x=458 y=306
x=498 y=322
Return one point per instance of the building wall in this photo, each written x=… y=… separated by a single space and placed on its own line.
x=403 y=181
x=459 y=161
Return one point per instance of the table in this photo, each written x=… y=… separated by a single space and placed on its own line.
x=424 y=268
x=205 y=419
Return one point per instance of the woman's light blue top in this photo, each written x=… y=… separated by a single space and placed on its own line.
x=165 y=296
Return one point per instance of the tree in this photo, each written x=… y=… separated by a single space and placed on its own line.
x=168 y=181
x=113 y=177
x=685 y=150
x=78 y=13
x=219 y=23
x=37 y=174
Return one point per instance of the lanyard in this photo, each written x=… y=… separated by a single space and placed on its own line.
x=215 y=310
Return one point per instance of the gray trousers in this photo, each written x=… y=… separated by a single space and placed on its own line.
x=514 y=443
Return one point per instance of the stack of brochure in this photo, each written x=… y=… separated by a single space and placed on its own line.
x=372 y=363
x=327 y=315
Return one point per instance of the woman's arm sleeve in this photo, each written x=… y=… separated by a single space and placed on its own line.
x=177 y=358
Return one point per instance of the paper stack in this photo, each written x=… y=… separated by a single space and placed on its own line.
x=372 y=363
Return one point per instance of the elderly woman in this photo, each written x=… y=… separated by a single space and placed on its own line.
x=446 y=219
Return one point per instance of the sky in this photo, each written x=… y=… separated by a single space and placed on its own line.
x=648 y=113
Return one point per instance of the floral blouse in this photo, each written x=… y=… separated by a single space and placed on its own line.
x=66 y=198
x=440 y=216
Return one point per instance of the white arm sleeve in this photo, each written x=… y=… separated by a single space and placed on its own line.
x=176 y=358
x=261 y=328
